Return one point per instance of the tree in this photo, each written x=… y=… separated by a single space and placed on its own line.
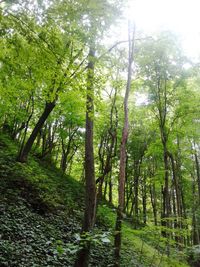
x=96 y=28
x=131 y=36
x=64 y=58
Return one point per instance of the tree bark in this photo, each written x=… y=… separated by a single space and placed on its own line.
x=136 y=190
x=144 y=199
x=122 y=175
x=107 y=150
x=110 y=196
x=22 y=157
x=154 y=202
x=90 y=194
x=198 y=174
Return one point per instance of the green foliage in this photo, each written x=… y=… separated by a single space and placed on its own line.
x=47 y=234
x=41 y=214
x=147 y=255
x=43 y=58
x=105 y=217
x=193 y=255
x=93 y=238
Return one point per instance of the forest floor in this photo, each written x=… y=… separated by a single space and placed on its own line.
x=40 y=220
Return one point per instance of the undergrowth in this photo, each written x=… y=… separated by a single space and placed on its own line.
x=41 y=211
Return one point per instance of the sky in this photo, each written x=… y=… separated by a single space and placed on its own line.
x=179 y=16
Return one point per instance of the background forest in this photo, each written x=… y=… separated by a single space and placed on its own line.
x=100 y=139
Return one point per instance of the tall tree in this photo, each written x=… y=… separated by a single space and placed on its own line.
x=63 y=61
x=90 y=194
x=122 y=174
x=95 y=15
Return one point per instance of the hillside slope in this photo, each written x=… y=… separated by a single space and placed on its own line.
x=40 y=219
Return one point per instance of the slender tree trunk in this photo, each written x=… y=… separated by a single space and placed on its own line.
x=198 y=199
x=195 y=231
x=153 y=199
x=132 y=207
x=198 y=175
x=63 y=163
x=27 y=148
x=89 y=219
x=122 y=175
x=136 y=189
x=128 y=198
x=90 y=194
x=166 y=207
x=110 y=189
x=176 y=194
x=176 y=185
x=25 y=132
x=144 y=200
x=105 y=189
x=100 y=189
x=107 y=152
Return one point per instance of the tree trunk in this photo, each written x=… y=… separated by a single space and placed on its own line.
x=110 y=199
x=122 y=175
x=107 y=152
x=176 y=185
x=136 y=189
x=90 y=194
x=195 y=231
x=153 y=202
x=166 y=207
x=198 y=175
x=22 y=157
x=89 y=150
x=144 y=200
